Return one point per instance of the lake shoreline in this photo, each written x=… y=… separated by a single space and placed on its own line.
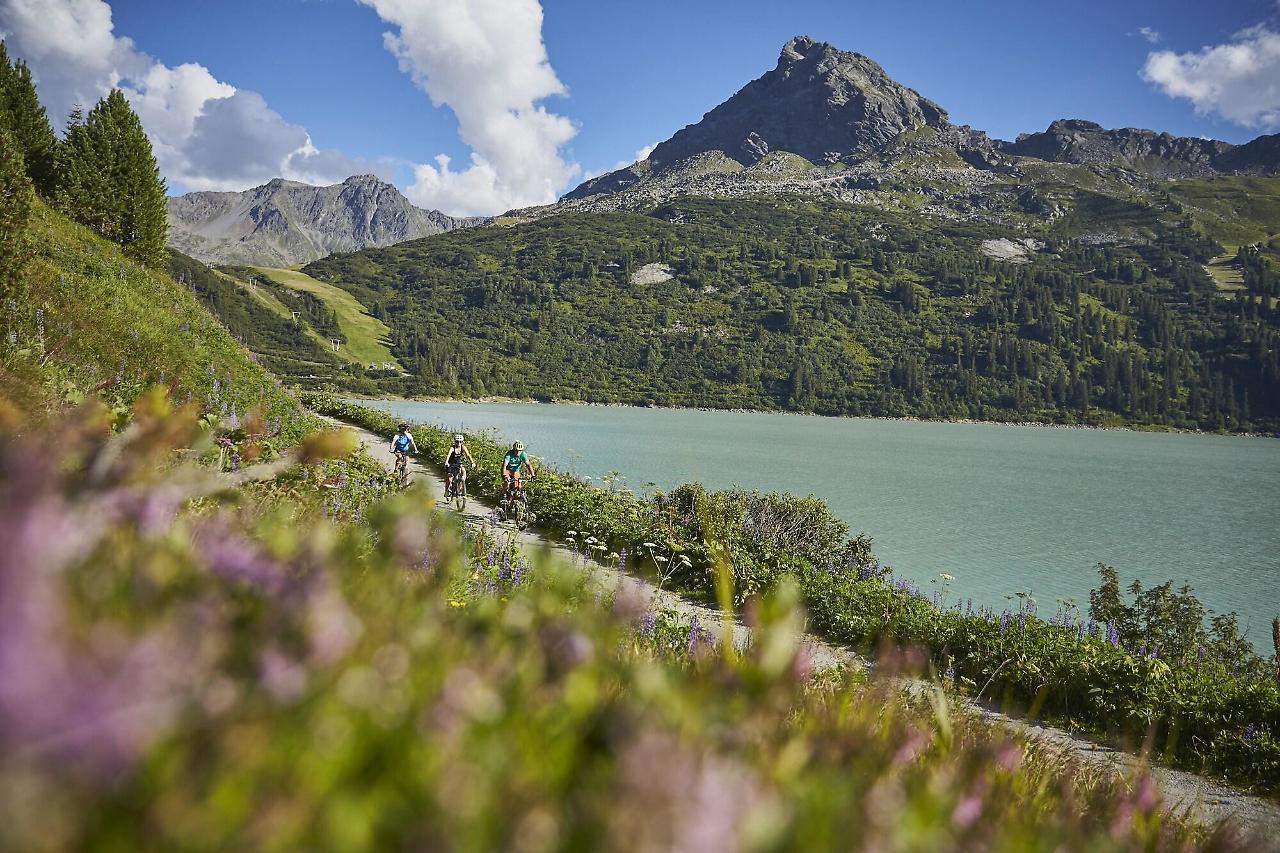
x=1151 y=428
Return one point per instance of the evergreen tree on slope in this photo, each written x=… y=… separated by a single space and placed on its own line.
x=108 y=179
x=27 y=122
x=15 y=210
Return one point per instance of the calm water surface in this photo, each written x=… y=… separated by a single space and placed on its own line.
x=1002 y=508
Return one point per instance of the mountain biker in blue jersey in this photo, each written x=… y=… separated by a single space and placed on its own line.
x=401 y=442
x=513 y=463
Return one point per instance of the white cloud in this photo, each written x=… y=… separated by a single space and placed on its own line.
x=1239 y=80
x=206 y=134
x=486 y=61
x=1150 y=34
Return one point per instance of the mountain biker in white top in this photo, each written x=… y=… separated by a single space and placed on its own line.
x=453 y=462
x=401 y=442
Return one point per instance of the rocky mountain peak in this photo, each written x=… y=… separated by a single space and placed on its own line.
x=287 y=222
x=798 y=48
x=819 y=102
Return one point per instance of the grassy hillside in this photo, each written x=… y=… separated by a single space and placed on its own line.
x=1234 y=210
x=817 y=306
x=289 y=347
x=92 y=321
x=364 y=337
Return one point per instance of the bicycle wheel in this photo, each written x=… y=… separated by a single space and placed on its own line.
x=520 y=508
x=459 y=494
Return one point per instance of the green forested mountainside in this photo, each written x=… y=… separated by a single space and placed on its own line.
x=811 y=305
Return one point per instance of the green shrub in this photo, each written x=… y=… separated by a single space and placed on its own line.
x=15 y=212
x=1205 y=712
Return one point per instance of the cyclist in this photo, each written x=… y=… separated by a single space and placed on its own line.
x=515 y=461
x=400 y=444
x=453 y=462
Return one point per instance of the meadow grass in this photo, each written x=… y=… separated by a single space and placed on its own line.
x=365 y=336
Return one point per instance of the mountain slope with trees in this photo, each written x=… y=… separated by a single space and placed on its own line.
x=808 y=305
x=87 y=310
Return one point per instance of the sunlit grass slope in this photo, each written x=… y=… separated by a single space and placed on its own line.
x=1235 y=210
x=364 y=336
x=89 y=320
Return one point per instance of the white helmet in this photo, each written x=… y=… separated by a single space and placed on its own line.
x=457 y=438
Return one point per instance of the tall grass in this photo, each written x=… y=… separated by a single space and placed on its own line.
x=250 y=671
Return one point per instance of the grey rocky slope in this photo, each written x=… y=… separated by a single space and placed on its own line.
x=832 y=123
x=283 y=223
x=1160 y=154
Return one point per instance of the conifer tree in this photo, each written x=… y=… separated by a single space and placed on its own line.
x=27 y=122
x=15 y=210
x=108 y=179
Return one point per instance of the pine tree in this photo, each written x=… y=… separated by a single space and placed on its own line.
x=108 y=179
x=15 y=210
x=27 y=122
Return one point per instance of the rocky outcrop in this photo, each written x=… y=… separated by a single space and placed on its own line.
x=283 y=223
x=1259 y=157
x=1161 y=155
x=1089 y=143
x=821 y=103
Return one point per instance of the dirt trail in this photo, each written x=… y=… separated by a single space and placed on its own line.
x=1206 y=800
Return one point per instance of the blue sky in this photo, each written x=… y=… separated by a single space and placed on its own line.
x=633 y=74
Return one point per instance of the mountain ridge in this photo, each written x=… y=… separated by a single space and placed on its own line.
x=858 y=131
x=282 y=223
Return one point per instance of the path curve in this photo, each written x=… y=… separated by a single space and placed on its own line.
x=1205 y=800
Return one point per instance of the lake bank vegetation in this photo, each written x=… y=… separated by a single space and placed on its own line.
x=1147 y=668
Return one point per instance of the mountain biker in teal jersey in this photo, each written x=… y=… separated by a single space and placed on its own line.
x=515 y=461
x=401 y=442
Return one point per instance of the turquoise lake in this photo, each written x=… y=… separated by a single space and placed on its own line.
x=1002 y=508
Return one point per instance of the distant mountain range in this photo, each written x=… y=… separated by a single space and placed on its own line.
x=283 y=223
x=834 y=123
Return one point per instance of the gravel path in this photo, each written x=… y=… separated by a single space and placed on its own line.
x=1206 y=800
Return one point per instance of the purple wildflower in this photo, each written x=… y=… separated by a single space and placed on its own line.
x=1248 y=732
x=236 y=559
x=1005 y=618
x=648 y=624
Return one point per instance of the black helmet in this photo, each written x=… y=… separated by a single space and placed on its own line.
x=404 y=427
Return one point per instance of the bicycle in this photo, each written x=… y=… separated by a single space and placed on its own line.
x=457 y=490
x=402 y=469
x=514 y=505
